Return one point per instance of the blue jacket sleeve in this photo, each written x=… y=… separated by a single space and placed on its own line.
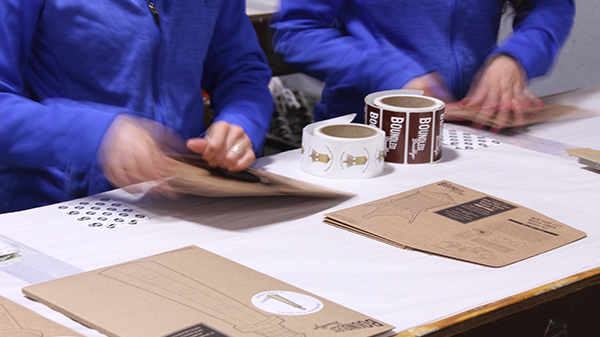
x=307 y=38
x=46 y=133
x=539 y=34
x=236 y=74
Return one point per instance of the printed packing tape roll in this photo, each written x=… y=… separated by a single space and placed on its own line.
x=413 y=125
x=342 y=151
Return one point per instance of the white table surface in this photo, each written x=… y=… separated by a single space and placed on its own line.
x=285 y=237
x=254 y=7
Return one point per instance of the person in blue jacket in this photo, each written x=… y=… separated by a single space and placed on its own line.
x=447 y=48
x=90 y=91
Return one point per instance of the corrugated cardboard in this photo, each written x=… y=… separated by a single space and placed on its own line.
x=17 y=321
x=548 y=113
x=191 y=292
x=587 y=156
x=451 y=220
x=192 y=176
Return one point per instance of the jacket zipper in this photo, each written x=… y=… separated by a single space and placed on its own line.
x=154 y=12
x=158 y=116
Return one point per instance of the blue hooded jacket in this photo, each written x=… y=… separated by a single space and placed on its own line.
x=362 y=46
x=68 y=68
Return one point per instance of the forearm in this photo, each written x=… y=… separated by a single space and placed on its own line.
x=236 y=75
x=539 y=35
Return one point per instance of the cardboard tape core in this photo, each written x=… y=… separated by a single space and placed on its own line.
x=348 y=131
x=406 y=102
x=342 y=150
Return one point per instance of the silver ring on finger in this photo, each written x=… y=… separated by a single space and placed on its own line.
x=237 y=149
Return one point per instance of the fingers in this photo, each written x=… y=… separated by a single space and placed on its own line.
x=433 y=85
x=484 y=106
x=499 y=97
x=129 y=155
x=226 y=146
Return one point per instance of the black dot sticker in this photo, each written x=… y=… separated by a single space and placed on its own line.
x=466 y=141
x=103 y=213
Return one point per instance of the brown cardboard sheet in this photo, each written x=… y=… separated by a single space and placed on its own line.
x=451 y=220
x=548 y=113
x=18 y=321
x=193 y=176
x=191 y=292
x=587 y=156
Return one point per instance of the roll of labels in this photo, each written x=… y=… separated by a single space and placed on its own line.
x=402 y=127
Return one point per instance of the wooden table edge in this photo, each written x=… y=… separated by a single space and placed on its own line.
x=490 y=312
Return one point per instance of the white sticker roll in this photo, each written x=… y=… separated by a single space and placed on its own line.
x=343 y=151
x=413 y=125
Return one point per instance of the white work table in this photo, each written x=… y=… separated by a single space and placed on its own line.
x=284 y=237
x=257 y=7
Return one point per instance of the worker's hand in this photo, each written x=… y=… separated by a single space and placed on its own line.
x=500 y=96
x=433 y=85
x=130 y=153
x=226 y=146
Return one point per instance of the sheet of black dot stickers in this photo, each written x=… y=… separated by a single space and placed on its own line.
x=102 y=213
x=460 y=140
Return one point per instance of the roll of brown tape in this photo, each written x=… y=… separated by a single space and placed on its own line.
x=413 y=125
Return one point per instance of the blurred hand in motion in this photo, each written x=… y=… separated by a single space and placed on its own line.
x=499 y=96
x=133 y=151
x=433 y=85
x=225 y=146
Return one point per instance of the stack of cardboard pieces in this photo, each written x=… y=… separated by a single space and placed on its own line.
x=451 y=220
x=587 y=156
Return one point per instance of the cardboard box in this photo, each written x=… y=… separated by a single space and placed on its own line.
x=447 y=219
x=17 y=321
x=191 y=292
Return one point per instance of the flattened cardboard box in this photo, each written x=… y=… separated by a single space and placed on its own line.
x=17 y=321
x=451 y=220
x=194 y=176
x=548 y=113
x=191 y=292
